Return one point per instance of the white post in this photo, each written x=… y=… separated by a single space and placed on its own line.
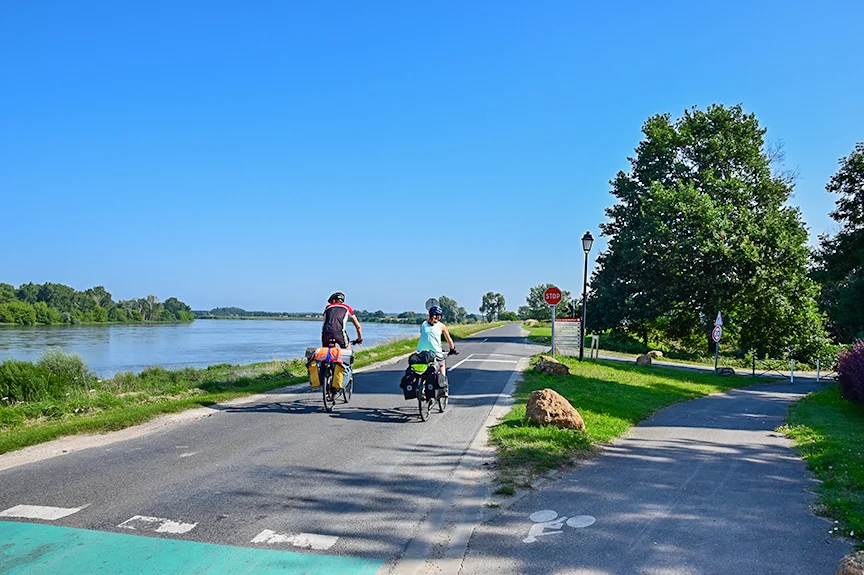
x=818 y=371
x=791 y=370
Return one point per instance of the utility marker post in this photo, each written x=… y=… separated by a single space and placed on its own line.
x=552 y=297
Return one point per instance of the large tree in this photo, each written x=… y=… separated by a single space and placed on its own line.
x=701 y=225
x=492 y=305
x=840 y=259
x=453 y=312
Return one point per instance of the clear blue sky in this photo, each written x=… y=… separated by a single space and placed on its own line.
x=265 y=154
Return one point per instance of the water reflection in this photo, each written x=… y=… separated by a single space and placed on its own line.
x=108 y=349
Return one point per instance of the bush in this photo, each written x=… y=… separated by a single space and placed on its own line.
x=850 y=373
x=508 y=316
x=66 y=372
x=22 y=381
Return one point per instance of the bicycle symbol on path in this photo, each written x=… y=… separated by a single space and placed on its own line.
x=547 y=522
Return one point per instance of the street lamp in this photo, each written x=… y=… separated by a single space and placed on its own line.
x=587 y=243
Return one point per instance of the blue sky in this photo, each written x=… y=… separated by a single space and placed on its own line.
x=265 y=154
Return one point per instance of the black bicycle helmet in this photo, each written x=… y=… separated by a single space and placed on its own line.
x=435 y=310
x=338 y=296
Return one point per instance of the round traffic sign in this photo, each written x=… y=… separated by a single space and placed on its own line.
x=552 y=296
x=716 y=333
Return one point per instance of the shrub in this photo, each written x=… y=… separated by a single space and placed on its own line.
x=66 y=372
x=850 y=373
x=22 y=381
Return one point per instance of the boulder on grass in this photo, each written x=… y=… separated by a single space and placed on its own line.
x=547 y=407
x=548 y=358
x=852 y=564
x=643 y=360
x=552 y=368
x=725 y=371
x=655 y=354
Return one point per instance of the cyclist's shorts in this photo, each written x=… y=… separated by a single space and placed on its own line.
x=341 y=339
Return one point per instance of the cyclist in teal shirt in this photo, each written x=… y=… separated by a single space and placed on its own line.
x=430 y=337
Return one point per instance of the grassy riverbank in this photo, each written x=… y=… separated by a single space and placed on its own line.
x=829 y=434
x=611 y=398
x=61 y=397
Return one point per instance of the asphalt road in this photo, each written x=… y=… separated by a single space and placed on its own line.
x=314 y=492
x=705 y=487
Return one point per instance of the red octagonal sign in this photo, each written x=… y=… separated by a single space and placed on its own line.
x=552 y=296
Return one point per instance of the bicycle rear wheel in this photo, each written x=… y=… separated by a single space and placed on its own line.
x=327 y=390
x=442 y=403
x=423 y=403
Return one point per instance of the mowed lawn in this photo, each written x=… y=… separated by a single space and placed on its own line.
x=611 y=397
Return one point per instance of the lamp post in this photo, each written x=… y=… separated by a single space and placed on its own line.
x=587 y=243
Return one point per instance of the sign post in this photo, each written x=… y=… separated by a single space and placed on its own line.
x=716 y=334
x=552 y=297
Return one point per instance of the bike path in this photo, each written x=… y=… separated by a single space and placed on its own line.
x=343 y=492
x=703 y=487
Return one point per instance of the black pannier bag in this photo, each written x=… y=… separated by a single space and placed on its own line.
x=409 y=385
x=421 y=357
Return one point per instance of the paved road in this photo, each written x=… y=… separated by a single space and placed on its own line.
x=703 y=487
x=288 y=486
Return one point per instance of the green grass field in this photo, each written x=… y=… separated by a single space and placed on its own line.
x=611 y=397
x=97 y=406
x=829 y=433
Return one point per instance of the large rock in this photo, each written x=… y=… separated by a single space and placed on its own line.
x=852 y=564
x=547 y=407
x=643 y=360
x=725 y=371
x=655 y=353
x=552 y=368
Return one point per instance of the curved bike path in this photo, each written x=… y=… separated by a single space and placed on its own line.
x=705 y=487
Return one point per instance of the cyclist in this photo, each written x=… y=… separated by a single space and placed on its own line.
x=430 y=337
x=336 y=316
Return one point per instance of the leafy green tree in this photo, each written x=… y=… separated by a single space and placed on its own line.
x=508 y=316
x=58 y=296
x=174 y=306
x=701 y=226
x=100 y=297
x=840 y=259
x=28 y=293
x=453 y=313
x=99 y=314
x=118 y=314
x=19 y=312
x=536 y=307
x=492 y=305
x=7 y=293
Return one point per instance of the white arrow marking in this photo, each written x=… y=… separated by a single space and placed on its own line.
x=304 y=540
x=39 y=512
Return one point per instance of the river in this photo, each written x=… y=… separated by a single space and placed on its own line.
x=113 y=348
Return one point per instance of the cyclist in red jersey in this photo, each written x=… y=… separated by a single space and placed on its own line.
x=336 y=316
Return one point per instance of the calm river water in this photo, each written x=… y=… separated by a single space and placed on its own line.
x=108 y=349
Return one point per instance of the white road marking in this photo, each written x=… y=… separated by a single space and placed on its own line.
x=188 y=454
x=157 y=524
x=492 y=360
x=303 y=540
x=39 y=512
x=460 y=363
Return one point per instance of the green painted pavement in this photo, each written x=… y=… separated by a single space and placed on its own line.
x=34 y=548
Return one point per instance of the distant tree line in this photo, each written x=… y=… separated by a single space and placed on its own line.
x=51 y=303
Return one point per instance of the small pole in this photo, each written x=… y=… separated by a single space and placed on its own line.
x=754 y=363
x=716 y=353
x=553 y=330
x=817 y=371
x=791 y=370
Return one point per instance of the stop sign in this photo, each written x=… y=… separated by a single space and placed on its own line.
x=552 y=296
